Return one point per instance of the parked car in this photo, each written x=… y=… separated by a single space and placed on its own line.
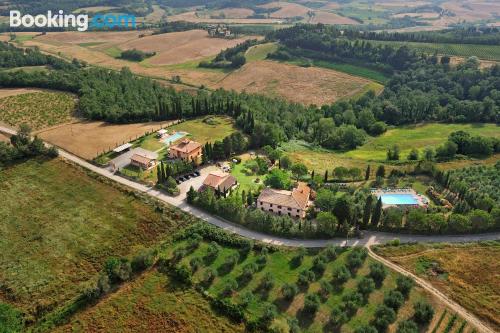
x=197 y=173
x=187 y=177
x=178 y=181
x=181 y=179
x=193 y=175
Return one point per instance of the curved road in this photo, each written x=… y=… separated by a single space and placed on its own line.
x=370 y=237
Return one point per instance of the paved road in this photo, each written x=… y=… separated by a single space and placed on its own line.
x=371 y=238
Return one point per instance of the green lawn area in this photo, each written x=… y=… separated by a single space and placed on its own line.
x=59 y=225
x=365 y=72
x=152 y=303
x=279 y=266
x=260 y=52
x=38 y=109
x=487 y=52
x=420 y=136
x=246 y=180
x=207 y=129
x=113 y=51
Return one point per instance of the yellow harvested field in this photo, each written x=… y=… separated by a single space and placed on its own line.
x=157 y=14
x=294 y=82
x=88 y=139
x=331 y=18
x=233 y=13
x=74 y=37
x=179 y=47
x=6 y=92
x=93 y=9
x=192 y=17
x=287 y=9
x=431 y=15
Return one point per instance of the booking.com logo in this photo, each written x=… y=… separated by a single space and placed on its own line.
x=80 y=21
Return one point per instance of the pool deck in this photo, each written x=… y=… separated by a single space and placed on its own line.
x=422 y=200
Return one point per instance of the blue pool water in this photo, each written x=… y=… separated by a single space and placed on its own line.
x=174 y=137
x=398 y=199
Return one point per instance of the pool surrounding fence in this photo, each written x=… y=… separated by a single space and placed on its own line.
x=400 y=197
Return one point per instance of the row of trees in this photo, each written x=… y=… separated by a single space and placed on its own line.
x=23 y=146
x=235 y=143
x=233 y=57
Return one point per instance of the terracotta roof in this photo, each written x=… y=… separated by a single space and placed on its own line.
x=297 y=198
x=186 y=146
x=141 y=159
x=220 y=180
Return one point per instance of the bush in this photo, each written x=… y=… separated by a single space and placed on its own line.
x=306 y=277
x=356 y=258
x=325 y=289
x=351 y=302
x=423 y=312
x=143 y=260
x=365 y=286
x=248 y=271
x=289 y=290
x=229 y=287
x=404 y=284
x=330 y=253
x=311 y=304
x=319 y=264
x=118 y=269
x=213 y=251
x=267 y=282
x=338 y=317
x=407 y=326
x=394 y=299
x=182 y=273
x=378 y=273
x=208 y=276
x=11 y=320
x=340 y=274
x=226 y=307
x=195 y=263
x=384 y=316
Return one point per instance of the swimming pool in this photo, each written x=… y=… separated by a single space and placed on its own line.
x=174 y=137
x=399 y=199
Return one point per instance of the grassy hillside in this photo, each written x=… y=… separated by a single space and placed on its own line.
x=206 y=129
x=467 y=272
x=59 y=226
x=420 y=136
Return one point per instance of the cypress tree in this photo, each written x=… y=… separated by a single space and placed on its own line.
x=367 y=173
x=326 y=176
x=377 y=213
x=368 y=210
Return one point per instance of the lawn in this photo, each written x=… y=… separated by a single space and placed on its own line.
x=38 y=109
x=60 y=225
x=245 y=179
x=206 y=129
x=468 y=273
x=487 y=52
x=420 y=136
x=279 y=265
x=152 y=303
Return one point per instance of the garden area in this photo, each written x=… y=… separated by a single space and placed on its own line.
x=206 y=129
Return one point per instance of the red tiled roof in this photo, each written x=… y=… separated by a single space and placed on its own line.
x=297 y=198
x=186 y=146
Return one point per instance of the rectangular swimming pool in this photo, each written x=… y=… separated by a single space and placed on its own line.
x=399 y=199
x=174 y=137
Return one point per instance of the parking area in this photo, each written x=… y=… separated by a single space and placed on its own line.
x=196 y=182
x=123 y=160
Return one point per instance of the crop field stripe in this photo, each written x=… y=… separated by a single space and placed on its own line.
x=487 y=52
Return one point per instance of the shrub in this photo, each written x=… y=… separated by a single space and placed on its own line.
x=356 y=258
x=325 y=289
x=404 y=284
x=319 y=264
x=289 y=290
x=299 y=257
x=11 y=319
x=365 y=286
x=330 y=253
x=338 y=317
x=384 y=316
x=351 y=302
x=213 y=251
x=144 y=259
x=246 y=298
x=394 y=299
x=178 y=254
x=267 y=282
x=340 y=274
x=233 y=311
x=248 y=271
x=118 y=269
x=311 y=304
x=208 y=276
x=306 y=277
x=423 y=312
x=407 y=326
x=378 y=273
x=229 y=287
x=182 y=273
x=231 y=261
x=195 y=263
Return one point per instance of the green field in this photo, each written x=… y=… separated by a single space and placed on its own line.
x=486 y=52
x=38 y=109
x=206 y=129
x=280 y=266
x=354 y=70
x=59 y=225
x=420 y=136
x=260 y=52
x=152 y=303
